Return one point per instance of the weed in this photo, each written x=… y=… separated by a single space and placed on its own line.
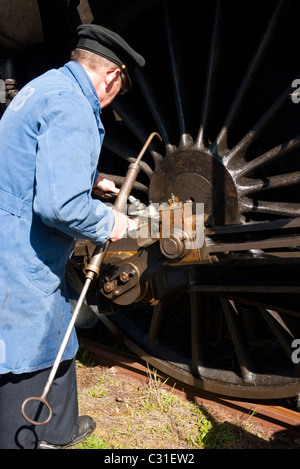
x=97 y=392
x=93 y=442
x=84 y=358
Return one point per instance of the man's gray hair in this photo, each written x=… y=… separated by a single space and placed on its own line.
x=91 y=60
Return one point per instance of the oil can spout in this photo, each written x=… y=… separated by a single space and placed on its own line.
x=131 y=176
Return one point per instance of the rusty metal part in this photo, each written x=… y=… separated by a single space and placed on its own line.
x=11 y=89
x=42 y=400
x=176 y=228
x=126 y=279
x=127 y=274
x=173 y=245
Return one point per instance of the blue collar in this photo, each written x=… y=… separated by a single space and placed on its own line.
x=81 y=68
x=85 y=84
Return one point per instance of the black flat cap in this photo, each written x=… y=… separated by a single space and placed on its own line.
x=108 y=44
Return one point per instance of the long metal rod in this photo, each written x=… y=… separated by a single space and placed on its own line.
x=67 y=336
x=42 y=398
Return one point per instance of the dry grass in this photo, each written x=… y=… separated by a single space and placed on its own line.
x=134 y=414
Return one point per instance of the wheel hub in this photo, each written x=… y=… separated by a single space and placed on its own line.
x=198 y=176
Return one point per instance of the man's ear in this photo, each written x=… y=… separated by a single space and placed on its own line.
x=111 y=76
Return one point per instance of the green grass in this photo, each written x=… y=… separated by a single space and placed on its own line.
x=93 y=442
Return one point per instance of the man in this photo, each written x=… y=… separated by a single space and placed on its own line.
x=50 y=140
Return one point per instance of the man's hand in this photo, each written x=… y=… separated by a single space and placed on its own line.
x=105 y=188
x=120 y=227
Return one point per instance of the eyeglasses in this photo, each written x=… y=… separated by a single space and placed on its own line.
x=124 y=83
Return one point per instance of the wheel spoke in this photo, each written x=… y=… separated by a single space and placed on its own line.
x=159 y=315
x=239 y=339
x=137 y=126
x=139 y=129
x=272 y=208
x=118 y=180
x=155 y=106
x=248 y=186
x=269 y=157
x=281 y=331
x=179 y=91
x=211 y=77
x=126 y=153
x=250 y=77
x=197 y=331
x=236 y=155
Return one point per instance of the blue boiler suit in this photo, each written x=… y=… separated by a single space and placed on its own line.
x=50 y=140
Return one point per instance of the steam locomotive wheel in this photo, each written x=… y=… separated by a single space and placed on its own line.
x=226 y=346
x=218 y=87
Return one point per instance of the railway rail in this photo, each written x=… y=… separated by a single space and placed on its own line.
x=280 y=420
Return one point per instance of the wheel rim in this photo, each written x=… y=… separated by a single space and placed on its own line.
x=232 y=133
x=219 y=353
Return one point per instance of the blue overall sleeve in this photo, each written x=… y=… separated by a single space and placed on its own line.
x=67 y=156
